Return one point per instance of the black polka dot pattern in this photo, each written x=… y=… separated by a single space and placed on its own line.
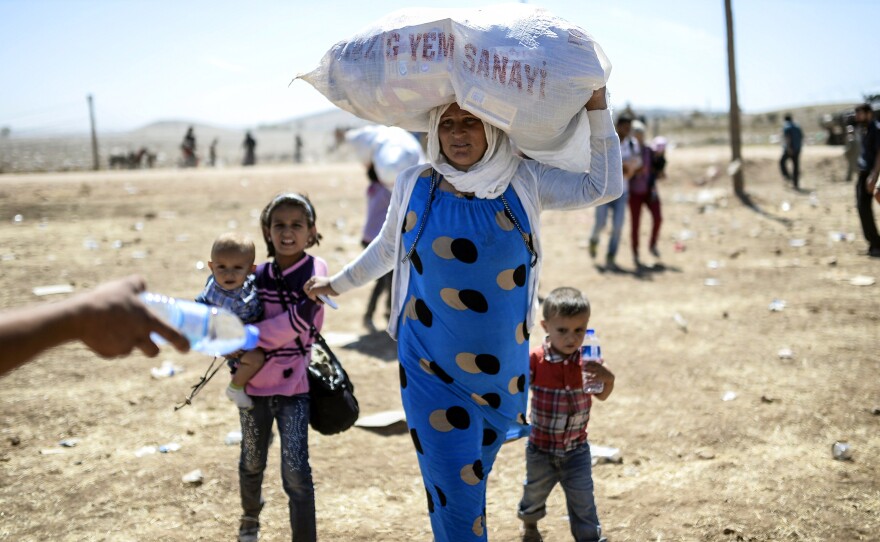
x=478 y=363
x=460 y=249
x=489 y=437
x=432 y=367
x=465 y=299
x=416 y=262
x=452 y=418
x=415 y=438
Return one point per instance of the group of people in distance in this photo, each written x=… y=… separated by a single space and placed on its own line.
x=190 y=158
x=862 y=154
x=644 y=163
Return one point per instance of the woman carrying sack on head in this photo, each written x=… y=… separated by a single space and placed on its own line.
x=463 y=240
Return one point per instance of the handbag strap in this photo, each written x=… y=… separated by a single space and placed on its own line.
x=283 y=293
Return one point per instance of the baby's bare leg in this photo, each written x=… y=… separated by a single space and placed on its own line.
x=251 y=362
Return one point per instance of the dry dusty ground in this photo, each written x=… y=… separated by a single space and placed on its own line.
x=696 y=467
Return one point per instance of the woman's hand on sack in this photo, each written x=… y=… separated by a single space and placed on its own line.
x=597 y=100
x=316 y=286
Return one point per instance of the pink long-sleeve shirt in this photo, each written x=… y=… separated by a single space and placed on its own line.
x=286 y=336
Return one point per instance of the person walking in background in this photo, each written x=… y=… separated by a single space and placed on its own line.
x=212 y=153
x=557 y=451
x=853 y=147
x=297 y=149
x=250 y=145
x=869 y=168
x=378 y=199
x=188 y=148
x=631 y=160
x=385 y=151
x=792 y=138
x=643 y=191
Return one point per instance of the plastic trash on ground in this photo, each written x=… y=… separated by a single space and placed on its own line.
x=232 y=438
x=193 y=477
x=777 y=305
x=167 y=369
x=605 y=454
x=841 y=451
x=53 y=289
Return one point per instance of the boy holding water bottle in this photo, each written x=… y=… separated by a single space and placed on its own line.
x=557 y=450
x=231 y=286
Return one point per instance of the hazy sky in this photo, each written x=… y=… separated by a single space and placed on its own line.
x=229 y=63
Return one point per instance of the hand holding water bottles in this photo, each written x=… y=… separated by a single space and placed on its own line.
x=598 y=372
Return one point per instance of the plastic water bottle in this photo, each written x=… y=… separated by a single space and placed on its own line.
x=591 y=351
x=210 y=330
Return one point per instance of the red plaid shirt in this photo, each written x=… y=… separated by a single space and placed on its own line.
x=560 y=408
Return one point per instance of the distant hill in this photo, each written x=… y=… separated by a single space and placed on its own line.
x=276 y=141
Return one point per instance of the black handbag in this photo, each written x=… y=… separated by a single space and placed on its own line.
x=333 y=406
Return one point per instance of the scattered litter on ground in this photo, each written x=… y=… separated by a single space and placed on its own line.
x=862 y=280
x=728 y=396
x=167 y=369
x=53 y=289
x=777 y=305
x=680 y=321
x=785 y=353
x=145 y=450
x=841 y=450
x=193 y=477
x=605 y=454
x=232 y=437
x=69 y=442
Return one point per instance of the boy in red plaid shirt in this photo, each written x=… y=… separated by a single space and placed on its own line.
x=557 y=451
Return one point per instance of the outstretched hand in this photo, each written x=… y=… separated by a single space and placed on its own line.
x=316 y=286
x=112 y=320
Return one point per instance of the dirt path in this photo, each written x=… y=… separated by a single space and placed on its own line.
x=695 y=467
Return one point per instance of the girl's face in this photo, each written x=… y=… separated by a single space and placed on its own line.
x=462 y=137
x=290 y=233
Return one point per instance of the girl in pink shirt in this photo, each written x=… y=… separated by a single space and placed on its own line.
x=280 y=390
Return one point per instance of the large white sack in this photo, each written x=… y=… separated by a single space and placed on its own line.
x=389 y=148
x=516 y=66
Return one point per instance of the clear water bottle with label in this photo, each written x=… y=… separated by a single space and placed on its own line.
x=591 y=351
x=210 y=330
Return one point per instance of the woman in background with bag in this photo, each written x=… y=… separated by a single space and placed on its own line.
x=280 y=390
x=463 y=239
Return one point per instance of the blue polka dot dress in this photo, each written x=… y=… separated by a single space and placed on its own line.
x=463 y=346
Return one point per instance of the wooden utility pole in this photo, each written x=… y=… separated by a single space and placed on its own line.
x=735 y=135
x=95 y=163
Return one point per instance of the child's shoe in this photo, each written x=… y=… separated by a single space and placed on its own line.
x=239 y=397
x=249 y=529
x=531 y=533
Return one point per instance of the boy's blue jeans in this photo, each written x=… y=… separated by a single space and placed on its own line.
x=292 y=417
x=573 y=472
x=618 y=209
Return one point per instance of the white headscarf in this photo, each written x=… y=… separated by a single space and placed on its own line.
x=489 y=177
